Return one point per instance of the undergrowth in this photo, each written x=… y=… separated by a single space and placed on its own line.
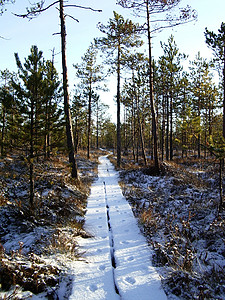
x=47 y=230
x=177 y=211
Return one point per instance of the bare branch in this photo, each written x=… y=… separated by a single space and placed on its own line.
x=31 y=13
x=83 y=7
x=3 y=38
x=35 y=12
x=72 y=18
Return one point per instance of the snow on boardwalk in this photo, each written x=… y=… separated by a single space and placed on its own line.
x=117 y=260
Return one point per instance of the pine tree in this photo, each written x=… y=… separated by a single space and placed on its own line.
x=30 y=91
x=121 y=35
x=173 y=65
x=149 y=8
x=33 y=11
x=217 y=43
x=90 y=75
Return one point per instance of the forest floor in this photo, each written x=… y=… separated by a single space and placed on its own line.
x=37 y=246
x=177 y=212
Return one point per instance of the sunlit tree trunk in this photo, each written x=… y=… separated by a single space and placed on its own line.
x=154 y=124
x=69 y=129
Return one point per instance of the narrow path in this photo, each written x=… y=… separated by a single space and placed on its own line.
x=117 y=260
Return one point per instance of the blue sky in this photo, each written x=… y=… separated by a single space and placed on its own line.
x=21 y=34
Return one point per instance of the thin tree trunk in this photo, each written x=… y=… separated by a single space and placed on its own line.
x=163 y=127
x=141 y=132
x=89 y=123
x=97 y=125
x=154 y=125
x=69 y=129
x=167 y=127
x=224 y=92
x=118 y=110
x=3 y=131
x=32 y=154
x=133 y=129
x=221 y=185
x=171 y=127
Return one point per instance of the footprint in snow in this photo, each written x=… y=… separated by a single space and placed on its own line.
x=99 y=226
x=125 y=242
x=130 y=280
x=130 y=258
x=102 y=268
x=93 y=287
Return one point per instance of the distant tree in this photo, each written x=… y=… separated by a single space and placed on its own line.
x=79 y=116
x=52 y=95
x=121 y=35
x=162 y=89
x=173 y=66
x=203 y=96
x=100 y=112
x=90 y=75
x=108 y=134
x=30 y=91
x=150 y=8
x=217 y=43
x=6 y=103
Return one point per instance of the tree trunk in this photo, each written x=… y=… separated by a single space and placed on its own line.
x=171 y=127
x=89 y=123
x=224 y=92
x=69 y=129
x=32 y=154
x=3 y=131
x=97 y=127
x=167 y=127
x=221 y=185
x=118 y=110
x=141 y=132
x=163 y=127
x=133 y=129
x=154 y=125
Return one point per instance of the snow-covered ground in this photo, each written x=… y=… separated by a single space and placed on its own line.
x=177 y=211
x=117 y=260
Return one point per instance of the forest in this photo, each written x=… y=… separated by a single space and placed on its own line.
x=168 y=145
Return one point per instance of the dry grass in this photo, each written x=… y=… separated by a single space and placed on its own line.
x=59 y=206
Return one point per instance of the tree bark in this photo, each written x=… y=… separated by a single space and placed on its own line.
x=3 y=131
x=69 y=129
x=163 y=126
x=171 y=127
x=154 y=125
x=89 y=123
x=167 y=127
x=97 y=126
x=118 y=110
x=32 y=154
x=224 y=91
